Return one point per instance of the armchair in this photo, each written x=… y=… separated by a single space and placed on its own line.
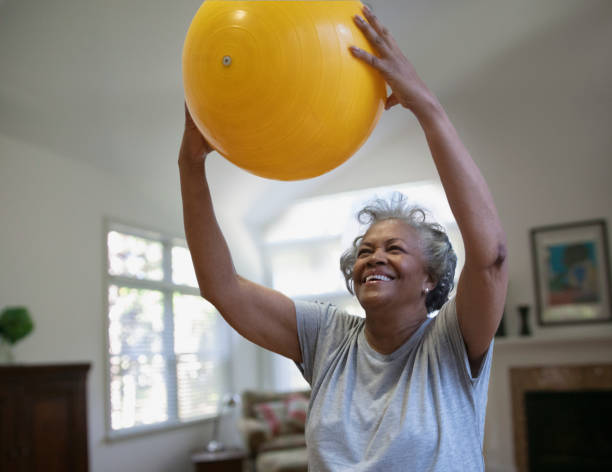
x=273 y=427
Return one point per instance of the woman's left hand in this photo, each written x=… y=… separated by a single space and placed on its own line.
x=407 y=88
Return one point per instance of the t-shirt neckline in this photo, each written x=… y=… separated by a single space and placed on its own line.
x=408 y=344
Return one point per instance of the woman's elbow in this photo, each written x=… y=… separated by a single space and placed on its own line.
x=501 y=255
x=491 y=258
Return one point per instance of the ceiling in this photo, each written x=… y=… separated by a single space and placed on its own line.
x=100 y=80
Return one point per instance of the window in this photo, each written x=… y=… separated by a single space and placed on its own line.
x=168 y=349
x=303 y=249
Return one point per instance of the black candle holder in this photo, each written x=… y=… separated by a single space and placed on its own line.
x=501 y=329
x=524 y=314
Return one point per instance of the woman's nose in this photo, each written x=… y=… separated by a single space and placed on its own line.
x=377 y=257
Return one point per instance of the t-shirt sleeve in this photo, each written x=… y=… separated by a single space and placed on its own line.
x=309 y=319
x=322 y=330
x=450 y=327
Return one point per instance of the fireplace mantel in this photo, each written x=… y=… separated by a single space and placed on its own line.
x=550 y=347
x=551 y=378
x=512 y=341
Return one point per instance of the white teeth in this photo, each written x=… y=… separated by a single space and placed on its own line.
x=377 y=277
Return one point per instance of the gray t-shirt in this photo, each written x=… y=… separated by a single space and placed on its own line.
x=416 y=409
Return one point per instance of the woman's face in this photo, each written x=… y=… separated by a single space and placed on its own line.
x=390 y=269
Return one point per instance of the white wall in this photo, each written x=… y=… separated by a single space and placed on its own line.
x=52 y=260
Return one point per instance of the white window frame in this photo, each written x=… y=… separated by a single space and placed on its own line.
x=167 y=287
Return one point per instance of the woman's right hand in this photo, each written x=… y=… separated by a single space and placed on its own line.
x=194 y=147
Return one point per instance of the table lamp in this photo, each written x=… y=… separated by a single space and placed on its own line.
x=228 y=402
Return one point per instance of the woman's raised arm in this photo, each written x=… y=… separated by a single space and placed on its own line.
x=263 y=316
x=481 y=291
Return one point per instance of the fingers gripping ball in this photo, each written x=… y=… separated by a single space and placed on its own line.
x=273 y=86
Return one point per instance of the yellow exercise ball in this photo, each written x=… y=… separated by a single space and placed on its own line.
x=273 y=86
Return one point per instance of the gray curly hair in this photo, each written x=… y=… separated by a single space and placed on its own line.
x=440 y=258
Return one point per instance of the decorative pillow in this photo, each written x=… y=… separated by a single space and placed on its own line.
x=283 y=416
x=274 y=414
x=297 y=408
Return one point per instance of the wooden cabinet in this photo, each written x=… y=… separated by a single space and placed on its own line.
x=43 y=418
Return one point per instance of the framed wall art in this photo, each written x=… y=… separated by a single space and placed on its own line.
x=572 y=273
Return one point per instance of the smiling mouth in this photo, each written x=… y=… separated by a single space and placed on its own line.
x=376 y=278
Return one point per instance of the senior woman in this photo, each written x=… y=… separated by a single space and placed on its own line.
x=397 y=390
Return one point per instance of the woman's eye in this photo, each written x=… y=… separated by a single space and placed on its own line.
x=395 y=249
x=363 y=252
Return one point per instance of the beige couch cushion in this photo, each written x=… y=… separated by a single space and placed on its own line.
x=287 y=460
x=286 y=441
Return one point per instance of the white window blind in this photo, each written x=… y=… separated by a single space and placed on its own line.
x=168 y=349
